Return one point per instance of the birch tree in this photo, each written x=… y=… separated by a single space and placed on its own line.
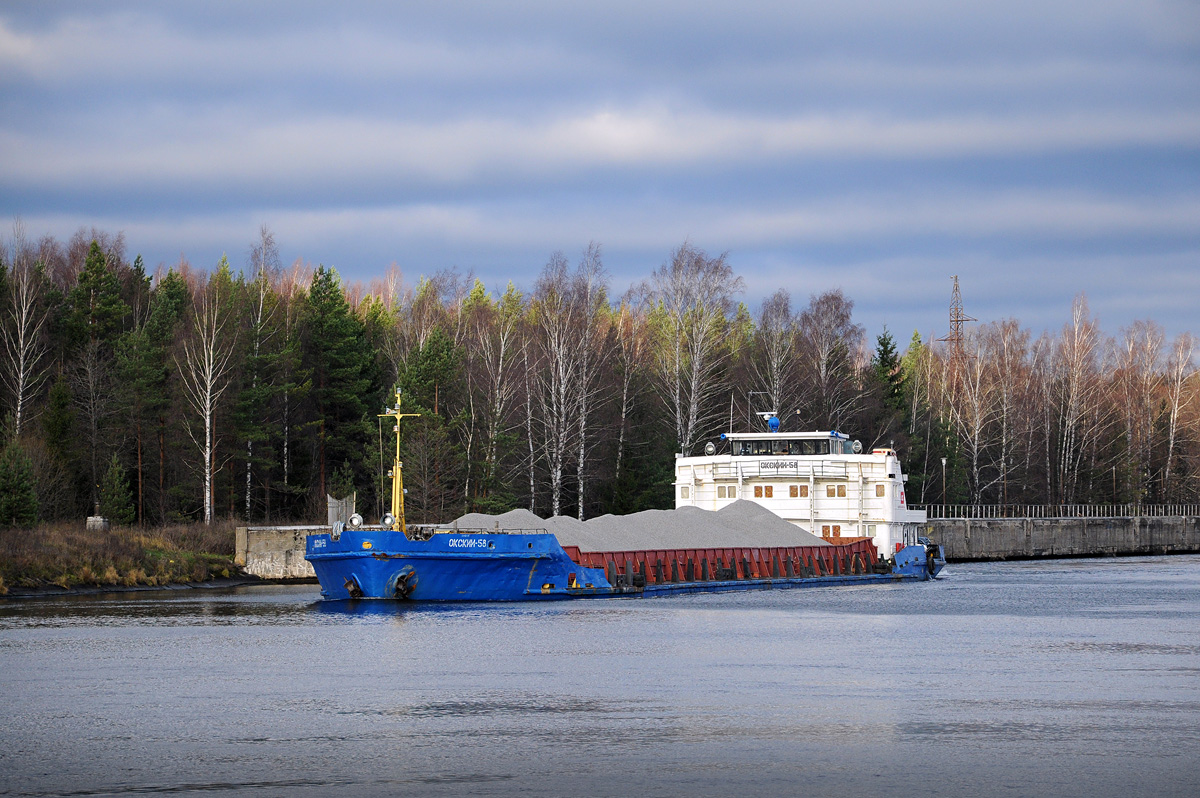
x=975 y=410
x=830 y=344
x=773 y=367
x=1077 y=396
x=205 y=369
x=555 y=314
x=494 y=355
x=1137 y=377
x=629 y=323
x=590 y=291
x=23 y=329
x=1181 y=370
x=693 y=296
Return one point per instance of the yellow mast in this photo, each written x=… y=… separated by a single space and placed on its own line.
x=397 y=524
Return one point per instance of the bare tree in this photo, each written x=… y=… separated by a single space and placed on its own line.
x=975 y=409
x=590 y=290
x=773 y=367
x=1077 y=396
x=556 y=314
x=1137 y=377
x=1181 y=370
x=693 y=297
x=1007 y=346
x=630 y=325
x=205 y=371
x=23 y=327
x=830 y=347
x=494 y=332
x=91 y=378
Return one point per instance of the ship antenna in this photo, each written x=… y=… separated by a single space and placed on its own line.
x=398 y=524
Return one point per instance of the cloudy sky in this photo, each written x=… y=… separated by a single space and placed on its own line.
x=1035 y=149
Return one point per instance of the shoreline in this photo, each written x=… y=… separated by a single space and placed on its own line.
x=55 y=591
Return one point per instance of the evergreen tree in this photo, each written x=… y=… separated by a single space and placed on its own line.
x=18 y=493
x=144 y=364
x=434 y=461
x=344 y=392
x=116 y=501
x=256 y=427
x=58 y=421
x=889 y=375
x=97 y=310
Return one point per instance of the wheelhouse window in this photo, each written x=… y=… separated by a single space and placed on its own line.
x=776 y=446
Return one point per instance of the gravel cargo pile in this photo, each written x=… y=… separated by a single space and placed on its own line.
x=741 y=524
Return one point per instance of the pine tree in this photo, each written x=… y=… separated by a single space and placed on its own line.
x=116 y=501
x=143 y=362
x=342 y=367
x=18 y=493
x=97 y=311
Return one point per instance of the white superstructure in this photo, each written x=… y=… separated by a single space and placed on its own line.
x=813 y=479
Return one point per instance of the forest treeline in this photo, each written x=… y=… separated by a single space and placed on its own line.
x=250 y=390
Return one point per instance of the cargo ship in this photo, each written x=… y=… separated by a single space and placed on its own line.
x=393 y=560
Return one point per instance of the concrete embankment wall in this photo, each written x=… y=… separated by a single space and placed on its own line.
x=1028 y=538
x=274 y=552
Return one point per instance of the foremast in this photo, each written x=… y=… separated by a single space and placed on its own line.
x=395 y=519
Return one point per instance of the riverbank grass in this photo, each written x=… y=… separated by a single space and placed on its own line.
x=69 y=555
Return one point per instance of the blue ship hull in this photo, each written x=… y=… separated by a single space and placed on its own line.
x=482 y=566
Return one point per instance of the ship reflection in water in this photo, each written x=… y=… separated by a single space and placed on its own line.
x=1075 y=678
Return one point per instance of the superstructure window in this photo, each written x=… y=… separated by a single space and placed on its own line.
x=841 y=490
x=837 y=530
x=830 y=491
x=726 y=492
x=793 y=491
x=808 y=448
x=880 y=490
x=769 y=491
x=804 y=491
x=758 y=491
x=684 y=491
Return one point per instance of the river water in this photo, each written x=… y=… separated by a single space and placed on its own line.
x=1070 y=678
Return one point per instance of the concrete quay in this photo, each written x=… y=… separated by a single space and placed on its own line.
x=966 y=539
x=274 y=552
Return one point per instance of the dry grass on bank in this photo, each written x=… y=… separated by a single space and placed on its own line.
x=69 y=555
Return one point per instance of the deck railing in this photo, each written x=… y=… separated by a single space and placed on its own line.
x=946 y=511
